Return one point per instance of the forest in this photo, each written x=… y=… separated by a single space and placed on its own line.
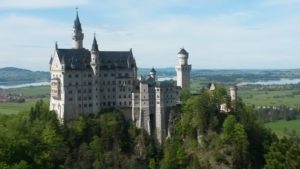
x=202 y=137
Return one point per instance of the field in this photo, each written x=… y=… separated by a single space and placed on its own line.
x=266 y=98
x=284 y=128
x=9 y=108
x=33 y=91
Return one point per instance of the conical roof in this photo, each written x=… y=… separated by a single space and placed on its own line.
x=95 y=45
x=183 y=51
x=77 y=24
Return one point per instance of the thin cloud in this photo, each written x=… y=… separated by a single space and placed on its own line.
x=39 y=4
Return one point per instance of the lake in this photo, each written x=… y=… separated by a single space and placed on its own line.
x=24 y=85
x=271 y=82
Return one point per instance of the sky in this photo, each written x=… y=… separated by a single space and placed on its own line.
x=218 y=34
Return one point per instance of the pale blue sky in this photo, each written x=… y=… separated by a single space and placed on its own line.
x=219 y=34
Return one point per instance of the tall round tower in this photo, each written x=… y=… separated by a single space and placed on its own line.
x=77 y=35
x=183 y=69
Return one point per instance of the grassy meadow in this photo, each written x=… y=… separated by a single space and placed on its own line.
x=285 y=128
x=9 y=108
x=267 y=98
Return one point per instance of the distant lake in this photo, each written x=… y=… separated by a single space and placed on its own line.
x=166 y=78
x=271 y=82
x=24 y=85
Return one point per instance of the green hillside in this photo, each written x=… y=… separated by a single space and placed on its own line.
x=13 y=76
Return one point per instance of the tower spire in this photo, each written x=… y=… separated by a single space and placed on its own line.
x=95 y=44
x=77 y=33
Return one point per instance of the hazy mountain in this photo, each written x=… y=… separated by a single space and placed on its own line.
x=12 y=75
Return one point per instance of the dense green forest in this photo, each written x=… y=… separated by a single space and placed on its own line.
x=202 y=137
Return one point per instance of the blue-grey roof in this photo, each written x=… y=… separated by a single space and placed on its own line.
x=77 y=24
x=116 y=59
x=95 y=45
x=75 y=59
x=183 y=51
x=79 y=59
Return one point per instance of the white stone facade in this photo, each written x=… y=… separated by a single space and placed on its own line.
x=88 y=81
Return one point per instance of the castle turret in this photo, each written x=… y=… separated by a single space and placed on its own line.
x=183 y=69
x=94 y=54
x=233 y=96
x=152 y=73
x=77 y=35
x=233 y=93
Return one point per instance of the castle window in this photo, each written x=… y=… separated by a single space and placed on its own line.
x=112 y=75
x=103 y=82
x=70 y=76
x=90 y=90
x=124 y=96
x=70 y=91
x=89 y=75
x=157 y=102
x=90 y=98
x=85 y=105
x=108 y=103
x=108 y=89
x=90 y=105
x=105 y=74
x=76 y=75
x=129 y=103
x=108 y=82
x=126 y=74
x=89 y=83
x=113 y=89
x=124 y=103
x=70 y=99
x=120 y=103
x=79 y=98
x=104 y=103
x=129 y=96
x=70 y=84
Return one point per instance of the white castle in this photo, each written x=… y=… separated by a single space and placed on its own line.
x=87 y=81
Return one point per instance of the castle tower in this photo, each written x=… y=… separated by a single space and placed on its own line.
x=183 y=69
x=94 y=54
x=233 y=96
x=152 y=73
x=77 y=35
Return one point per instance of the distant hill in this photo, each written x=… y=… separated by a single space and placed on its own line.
x=12 y=76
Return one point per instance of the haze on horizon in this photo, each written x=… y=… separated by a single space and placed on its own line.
x=219 y=34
